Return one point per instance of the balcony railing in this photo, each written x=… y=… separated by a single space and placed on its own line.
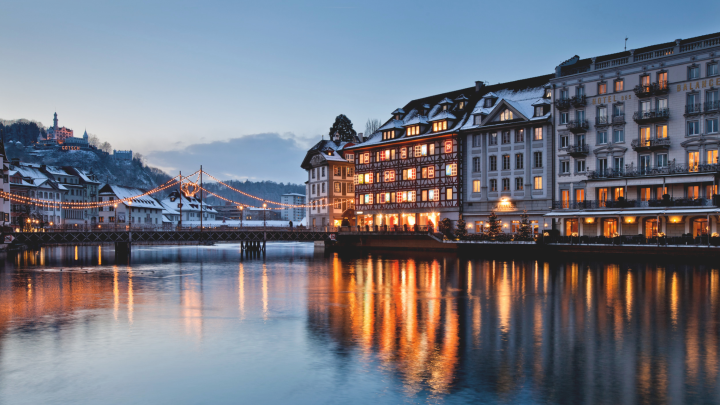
x=578 y=101
x=562 y=104
x=618 y=119
x=658 y=114
x=691 y=109
x=577 y=126
x=712 y=106
x=602 y=121
x=652 y=89
x=651 y=171
x=578 y=150
x=650 y=144
x=621 y=204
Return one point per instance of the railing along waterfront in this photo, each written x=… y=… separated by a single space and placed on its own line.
x=621 y=204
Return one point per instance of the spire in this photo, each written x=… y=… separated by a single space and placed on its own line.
x=55 y=122
x=85 y=135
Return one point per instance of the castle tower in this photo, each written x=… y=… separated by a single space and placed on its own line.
x=85 y=136
x=55 y=123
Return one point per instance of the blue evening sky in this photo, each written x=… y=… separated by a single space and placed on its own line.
x=160 y=77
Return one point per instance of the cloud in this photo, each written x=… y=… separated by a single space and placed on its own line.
x=257 y=157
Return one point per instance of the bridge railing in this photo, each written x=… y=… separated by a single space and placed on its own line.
x=165 y=228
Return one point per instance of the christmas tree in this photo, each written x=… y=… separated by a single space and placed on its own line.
x=445 y=226
x=525 y=232
x=344 y=127
x=495 y=229
x=460 y=229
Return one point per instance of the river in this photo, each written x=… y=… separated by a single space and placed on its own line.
x=205 y=325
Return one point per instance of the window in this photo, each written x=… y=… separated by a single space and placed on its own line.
x=519 y=135
x=618 y=135
x=539 y=111
x=538 y=134
x=336 y=187
x=579 y=194
x=313 y=189
x=564 y=141
x=439 y=126
x=661 y=132
x=451 y=169
x=506 y=137
x=506 y=115
x=403 y=153
x=448 y=146
x=565 y=167
x=711 y=100
x=619 y=110
x=366 y=158
x=662 y=160
x=493 y=138
x=336 y=171
x=421 y=150
x=413 y=130
x=476 y=186
x=564 y=94
x=431 y=149
x=580 y=91
x=564 y=118
x=580 y=166
x=602 y=88
x=645 y=136
x=493 y=184
x=476 y=165
x=712 y=156
x=645 y=80
x=493 y=163
x=431 y=172
x=538 y=183
x=448 y=194
x=693 y=128
x=313 y=173
x=602 y=166
x=619 y=85
x=693 y=72
x=424 y=195
x=602 y=117
x=711 y=125
x=505 y=184
x=476 y=140
x=619 y=164
x=537 y=158
x=323 y=187
x=693 y=106
x=506 y=162
x=693 y=161
x=712 y=69
x=488 y=102
x=518 y=183
x=409 y=174
x=384 y=155
x=519 y=161
x=602 y=137
x=389 y=175
x=388 y=135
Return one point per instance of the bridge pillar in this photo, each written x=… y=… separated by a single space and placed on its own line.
x=122 y=249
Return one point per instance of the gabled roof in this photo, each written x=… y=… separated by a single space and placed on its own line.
x=322 y=146
x=127 y=192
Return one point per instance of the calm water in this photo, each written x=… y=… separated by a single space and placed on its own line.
x=198 y=325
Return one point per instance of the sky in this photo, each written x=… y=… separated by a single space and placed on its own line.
x=245 y=87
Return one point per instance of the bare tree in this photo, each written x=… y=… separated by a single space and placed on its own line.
x=371 y=126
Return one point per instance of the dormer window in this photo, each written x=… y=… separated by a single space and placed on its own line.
x=444 y=107
x=548 y=93
x=488 y=103
x=461 y=105
x=439 y=126
x=388 y=135
x=413 y=130
x=350 y=157
x=506 y=115
x=539 y=111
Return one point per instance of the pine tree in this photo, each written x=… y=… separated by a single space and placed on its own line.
x=525 y=232
x=495 y=229
x=445 y=226
x=460 y=229
x=344 y=127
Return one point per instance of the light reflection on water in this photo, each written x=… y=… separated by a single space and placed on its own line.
x=202 y=325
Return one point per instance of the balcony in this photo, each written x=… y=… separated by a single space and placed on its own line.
x=693 y=109
x=650 y=144
x=578 y=150
x=618 y=119
x=652 y=171
x=622 y=203
x=712 y=106
x=578 y=126
x=578 y=101
x=562 y=104
x=653 y=89
x=656 y=115
x=602 y=121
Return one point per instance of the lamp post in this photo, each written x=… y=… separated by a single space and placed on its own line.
x=242 y=214
x=264 y=227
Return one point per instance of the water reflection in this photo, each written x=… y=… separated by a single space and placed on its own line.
x=306 y=327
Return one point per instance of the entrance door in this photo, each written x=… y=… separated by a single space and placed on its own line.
x=610 y=227
x=565 y=196
x=571 y=227
x=700 y=227
x=651 y=228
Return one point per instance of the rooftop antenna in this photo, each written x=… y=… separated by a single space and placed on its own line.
x=626 y=38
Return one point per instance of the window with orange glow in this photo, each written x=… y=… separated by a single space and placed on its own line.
x=448 y=146
x=413 y=130
x=439 y=126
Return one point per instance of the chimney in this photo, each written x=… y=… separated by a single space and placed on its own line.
x=479 y=85
x=360 y=137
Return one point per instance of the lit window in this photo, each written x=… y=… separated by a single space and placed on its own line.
x=506 y=115
x=413 y=130
x=366 y=158
x=538 y=183
x=439 y=126
x=368 y=178
x=388 y=135
x=403 y=153
x=337 y=187
x=538 y=134
x=412 y=196
x=448 y=146
x=389 y=175
x=476 y=186
x=349 y=157
x=430 y=172
x=412 y=174
x=493 y=185
x=619 y=85
x=451 y=169
x=448 y=194
x=602 y=88
x=539 y=111
x=493 y=138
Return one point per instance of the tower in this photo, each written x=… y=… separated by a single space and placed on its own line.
x=55 y=123
x=85 y=136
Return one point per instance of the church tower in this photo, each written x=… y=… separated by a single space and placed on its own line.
x=55 y=123
x=85 y=136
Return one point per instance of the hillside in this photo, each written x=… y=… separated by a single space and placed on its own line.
x=268 y=190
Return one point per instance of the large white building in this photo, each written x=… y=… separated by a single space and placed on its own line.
x=636 y=147
x=295 y=214
x=140 y=211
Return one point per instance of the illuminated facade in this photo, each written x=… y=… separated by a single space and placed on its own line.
x=57 y=133
x=637 y=141
x=408 y=171
x=330 y=187
x=5 y=187
x=508 y=164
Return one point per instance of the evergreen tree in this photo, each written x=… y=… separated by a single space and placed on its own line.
x=495 y=229
x=445 y=226
x=525 y=232
x=344 y=127
x=460 y=229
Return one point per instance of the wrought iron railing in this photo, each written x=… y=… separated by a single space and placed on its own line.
x=712 y=105
x=695 y=108
x=646 y=90
x=602 y=120
x=578 y=125
x=622 y=204
x=658 y=114
x=639 y=144
x=618 y=119
x=562 y=103
x=649 y=171
x=578 y=101
x=578 y=149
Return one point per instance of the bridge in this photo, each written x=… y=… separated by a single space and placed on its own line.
x=249 y=238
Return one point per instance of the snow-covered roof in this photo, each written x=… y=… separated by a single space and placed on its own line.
x=128 y=192
x=442 y=115
x=392 y=124
x=85 y=176
x=523 y=101
x=189 y=204
x=294 y=194
x=417 y=119
x=57 y=171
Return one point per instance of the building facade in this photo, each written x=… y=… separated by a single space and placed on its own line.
x=637 y=141
x=330 y=188
x=5 y=187
x=141 y=211
x=408 y=172
x=508 y=163
x=294 y=214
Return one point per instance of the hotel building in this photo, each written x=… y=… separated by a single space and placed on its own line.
x=508 y=164
x=637 y=140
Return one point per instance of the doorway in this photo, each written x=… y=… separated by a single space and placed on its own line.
x=610 y=227
x=651 y=228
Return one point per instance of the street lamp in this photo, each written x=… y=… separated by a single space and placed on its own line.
x=264 y=210
x=241 y=215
